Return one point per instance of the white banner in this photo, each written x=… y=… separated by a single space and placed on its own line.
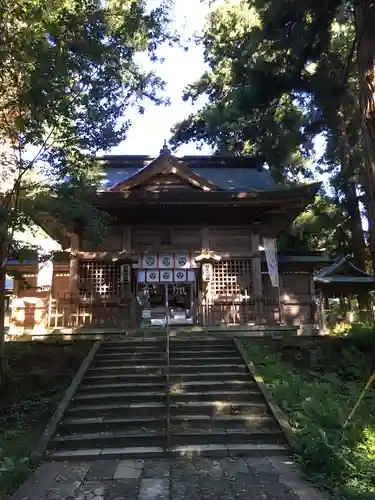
x=45 y=274
x=271 y=258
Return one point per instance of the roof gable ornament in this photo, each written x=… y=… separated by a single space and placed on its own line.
x=165 y=163
x=165 y=150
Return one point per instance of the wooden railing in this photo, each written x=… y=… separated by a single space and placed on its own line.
x=168 y=385
x=256 y=311
x=79 y=313
x=68 y=313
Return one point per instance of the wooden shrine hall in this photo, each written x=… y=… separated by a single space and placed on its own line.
x=190 y=242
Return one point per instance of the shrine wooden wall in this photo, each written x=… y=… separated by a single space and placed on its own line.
x=296 y=296
x=236 y=240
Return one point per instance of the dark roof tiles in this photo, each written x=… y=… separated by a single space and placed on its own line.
x=229 y=173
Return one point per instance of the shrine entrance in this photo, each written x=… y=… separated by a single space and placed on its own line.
x=172 y=303
x=166 y=289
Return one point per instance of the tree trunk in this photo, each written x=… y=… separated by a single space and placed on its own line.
x=3 y=361
x=357 y=242
x=365 y=22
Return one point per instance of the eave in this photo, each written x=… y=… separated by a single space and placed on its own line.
x=265 y=212
x=342 y=267
x=304 y=193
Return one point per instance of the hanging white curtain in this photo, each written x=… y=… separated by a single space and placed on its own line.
x=45 y=274
x=270 y=249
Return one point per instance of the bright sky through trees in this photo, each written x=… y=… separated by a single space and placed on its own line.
x=148 y=131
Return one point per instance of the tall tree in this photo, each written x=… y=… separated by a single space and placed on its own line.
x=279 y=74
x=67 y=79
x=323 y=226
x=228 y=122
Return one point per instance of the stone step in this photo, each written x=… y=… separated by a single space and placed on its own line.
x=200 y=341
x=120 y=409
x=178 y=423
x=179 y=346
x=207 y=360
x=130 y=347
x=145 y=343
x=125 y=387
x=127 y=369
x=196 y=376
x=140 y=438
x=145 y=452
x=154 y=369
x=213 y=408
x=108 y=439
x=216 y=396
x=230 y=436
x=182 y=369
x=121 y=396
x=197 y=348
x=258 y=450
x=116 y=409
x=150 y=360
x=130 y=354
x=222 y=353
x=213 y=385
x=209 y=422
x=98 y=424
x=102 y=379
x=149 y=452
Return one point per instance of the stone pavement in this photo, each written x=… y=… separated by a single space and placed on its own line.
x=273 y=478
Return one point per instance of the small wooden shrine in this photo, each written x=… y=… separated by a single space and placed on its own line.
x=341 y=280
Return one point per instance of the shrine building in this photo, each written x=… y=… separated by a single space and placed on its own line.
x=191 y=241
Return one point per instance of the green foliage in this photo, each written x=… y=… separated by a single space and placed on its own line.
x=323 y=226
x=68 y=76
x=68 y=72
x=316 y=406
x=232 y=121
x=279 y=75
x=362 y=334
x=39 y=375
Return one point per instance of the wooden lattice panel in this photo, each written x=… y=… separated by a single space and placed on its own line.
x=100 y=279
x=230 y=278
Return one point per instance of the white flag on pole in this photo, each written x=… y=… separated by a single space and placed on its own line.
x=271 y=259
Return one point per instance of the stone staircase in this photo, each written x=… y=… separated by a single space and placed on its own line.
x=135 y=401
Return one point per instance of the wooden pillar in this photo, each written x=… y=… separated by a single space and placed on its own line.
x=204 y=294
x=322 y=312
x=256 y=270
x=312 y=298
x=280 y=298
x=74 y=264
x=127 y=240
x=205 y=238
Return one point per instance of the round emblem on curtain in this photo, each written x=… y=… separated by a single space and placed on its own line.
x=182 y=261
x=150 y=261
x=166 y=261
x=165 y=275
x=180 y=275
x=152 y=276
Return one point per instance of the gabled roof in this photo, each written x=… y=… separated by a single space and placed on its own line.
x=165 y=164
x=342 y=271
x=228 y=173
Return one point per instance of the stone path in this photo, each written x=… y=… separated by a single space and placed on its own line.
x=273 y=478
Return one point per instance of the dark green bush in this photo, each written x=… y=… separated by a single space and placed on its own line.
x=342 y=461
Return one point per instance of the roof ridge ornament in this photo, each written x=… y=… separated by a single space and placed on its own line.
x=165 y=150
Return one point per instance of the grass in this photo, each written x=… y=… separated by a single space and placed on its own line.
x=40 y=372
x=317 y=403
